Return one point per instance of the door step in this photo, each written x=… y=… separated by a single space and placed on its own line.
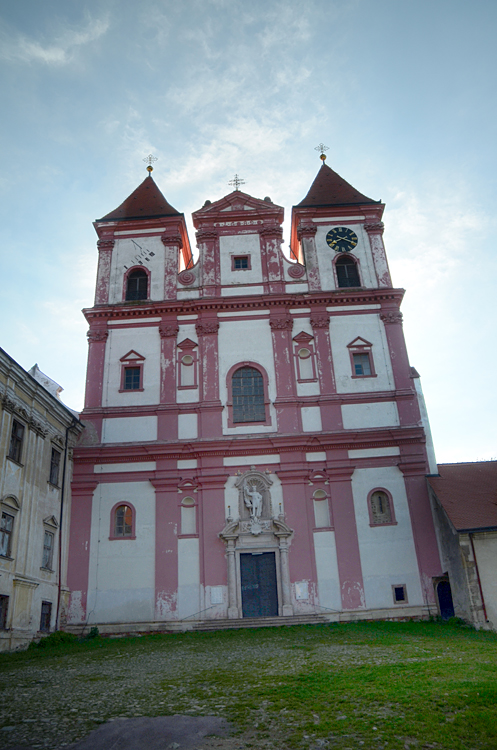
x=260 y=622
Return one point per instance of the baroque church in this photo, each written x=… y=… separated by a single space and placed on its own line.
x=256 y=441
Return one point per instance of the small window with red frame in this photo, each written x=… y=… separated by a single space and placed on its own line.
x=132 y=378
x=123 y=521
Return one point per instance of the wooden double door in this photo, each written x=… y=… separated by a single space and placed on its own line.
x=259 y=584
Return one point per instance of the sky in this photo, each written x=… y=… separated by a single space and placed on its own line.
x=403 y=93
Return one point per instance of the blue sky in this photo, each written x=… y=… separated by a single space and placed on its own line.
x=402 y=92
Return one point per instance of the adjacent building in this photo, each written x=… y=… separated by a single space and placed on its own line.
x=37 y=433
x=256 y=442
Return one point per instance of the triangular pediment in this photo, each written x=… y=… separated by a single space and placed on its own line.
x=187 y=344
x=359 y=342
x=303 y=338
x=51 y=521
x=132 y=356
x=236 y=201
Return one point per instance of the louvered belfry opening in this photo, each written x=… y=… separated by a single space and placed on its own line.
x=248 y=395
x=137 y=285
x=347 y=272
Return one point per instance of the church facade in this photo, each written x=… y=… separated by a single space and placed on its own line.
x=256 y=441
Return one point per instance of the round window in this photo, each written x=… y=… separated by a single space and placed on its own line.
x=304 y=353
x=187 y=359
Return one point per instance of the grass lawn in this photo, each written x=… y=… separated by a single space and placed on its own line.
x=358 y=685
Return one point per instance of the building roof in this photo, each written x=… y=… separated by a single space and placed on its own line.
x=468 y=494
x=146 y=202
x=329 y=189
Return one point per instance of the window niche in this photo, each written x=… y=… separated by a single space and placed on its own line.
x=136 y=285
x=188 y=517
x=9 y=509
x=361 y=358
x=380 y=507
x=305 y=358
x=347 y=272
x=187 y=365
x=16 y=441
x=248 y=401
x=122 y=521
x=50 y=526
x=322 y=519
x=54 y=467
x=131 y=372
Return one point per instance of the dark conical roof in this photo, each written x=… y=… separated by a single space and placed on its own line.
x=329 y=189
x=146 y=202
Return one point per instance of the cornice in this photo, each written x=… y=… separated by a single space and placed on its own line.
x=222 y=304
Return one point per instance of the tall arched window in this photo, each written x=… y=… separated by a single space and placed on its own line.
x=123 y=521
x=248 y=395
x=137 y=285
x=380 y=508
x=347 y=273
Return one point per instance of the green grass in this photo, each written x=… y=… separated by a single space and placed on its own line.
x=357 y=685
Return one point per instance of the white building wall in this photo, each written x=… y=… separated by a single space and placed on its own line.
x=188 y=577
x=146 y=342
x=362 y=252
x=486 y=556
x=240 y=244
x=122 y=571
x=327 y=571
x=388 y=556
x=361 y=416
x=126 y=254
x=129 y=429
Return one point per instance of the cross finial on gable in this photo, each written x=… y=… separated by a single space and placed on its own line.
x=236 y=182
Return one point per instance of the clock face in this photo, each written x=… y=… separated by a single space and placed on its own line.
x=341 y=239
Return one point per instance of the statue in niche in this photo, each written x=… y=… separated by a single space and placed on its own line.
x=253 y=500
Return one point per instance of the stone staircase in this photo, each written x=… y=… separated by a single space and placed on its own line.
x=260 y=622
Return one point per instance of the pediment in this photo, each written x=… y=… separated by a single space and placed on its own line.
x=51 y=521
x=303 y=338
x=132 y=356
x=237 y=201
x=187 y=344
x=359 y=342
x=12 y=502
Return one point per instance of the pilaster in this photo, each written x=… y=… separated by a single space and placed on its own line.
x=97 y=340
x=375 y=228
x=168 y=419
x=288 y=417
x=306 y=233
x=207 y=328
x=331 y=413
x=105 y=247
x=408 y=409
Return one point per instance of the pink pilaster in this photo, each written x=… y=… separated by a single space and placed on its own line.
x=167 y=526
x=208 y=246
x=210 y=416
x=172 y=245
x=97 y=339
x=408 y=407
x=307 y=236
x=414 y=468
x=347 y=542
x=271 y=258
x=286 y=408
x=375 y=232
x=331 y=413
x=212 y=479
x=105 y=246
x=78 y=569
x=168 y=419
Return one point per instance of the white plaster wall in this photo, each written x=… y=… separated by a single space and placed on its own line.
x=362 y=252
x=130 y=467
x=486 y=555
x=144 y=341
x=231 y=497
x=187 y=426
x=240 y=244
x=122 y=571
x=246 y=341
x=343 y=330
x=327 y=571
x=129 y=429
x=125 y=253
x=251 y=460
x=188 y=577
x=235 y=291
x=190 y=396
x=311 y=419
x=374 y=452
x=304 y=325
x=388 y=555
x=361 y=416
x=430 y=448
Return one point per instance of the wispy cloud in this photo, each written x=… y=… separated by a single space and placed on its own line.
x=24 y=49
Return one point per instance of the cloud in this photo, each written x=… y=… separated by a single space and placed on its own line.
x=27 y=50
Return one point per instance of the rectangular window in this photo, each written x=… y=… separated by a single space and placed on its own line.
x=16 y=438
x=241 y=263
x=6 y=529
x=4 y=609
x=54 y=467
x=132 y=378
x=46 y=616
x=47 y=550
x=362 y=364
x=399 y=594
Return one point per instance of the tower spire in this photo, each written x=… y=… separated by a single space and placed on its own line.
x=150 y=159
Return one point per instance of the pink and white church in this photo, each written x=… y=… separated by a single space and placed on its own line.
x=256 y=441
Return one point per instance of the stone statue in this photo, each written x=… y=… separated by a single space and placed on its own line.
x=253 y=501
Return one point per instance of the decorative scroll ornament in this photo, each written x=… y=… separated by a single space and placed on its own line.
x=186 y=278
x=12 y=404
x=211 y=326
x=94 y=335
x=376 y=227
x=306 y=230
x=206 y=235
x=391 y=317
x=281 y=324
x=172 y=239
x=320 y=321
x=296 y=271
x=105 y=244
x=168 y=330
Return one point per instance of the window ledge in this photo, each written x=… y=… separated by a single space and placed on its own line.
x=17 y=463
x=6 y=557
x=188 y=536
x=121 y=538
x=47 y=570
x=387 y=523
x=361 y=377
x=131 y=390
x=55 y=486
x=324 y=528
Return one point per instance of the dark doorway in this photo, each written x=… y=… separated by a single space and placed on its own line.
x=445 y=603
x=258 y=578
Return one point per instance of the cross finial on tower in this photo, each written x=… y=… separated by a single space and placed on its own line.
x=150 y=160
x=236 y=182
x=322 y=148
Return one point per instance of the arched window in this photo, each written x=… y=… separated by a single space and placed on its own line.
x=248 y=395
x=380 y=508
x=123 y=521
x=137 y=285
x=321 y=510
x=347 y=273
x=188 y=516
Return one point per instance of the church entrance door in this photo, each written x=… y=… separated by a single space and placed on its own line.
x=259 y=589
